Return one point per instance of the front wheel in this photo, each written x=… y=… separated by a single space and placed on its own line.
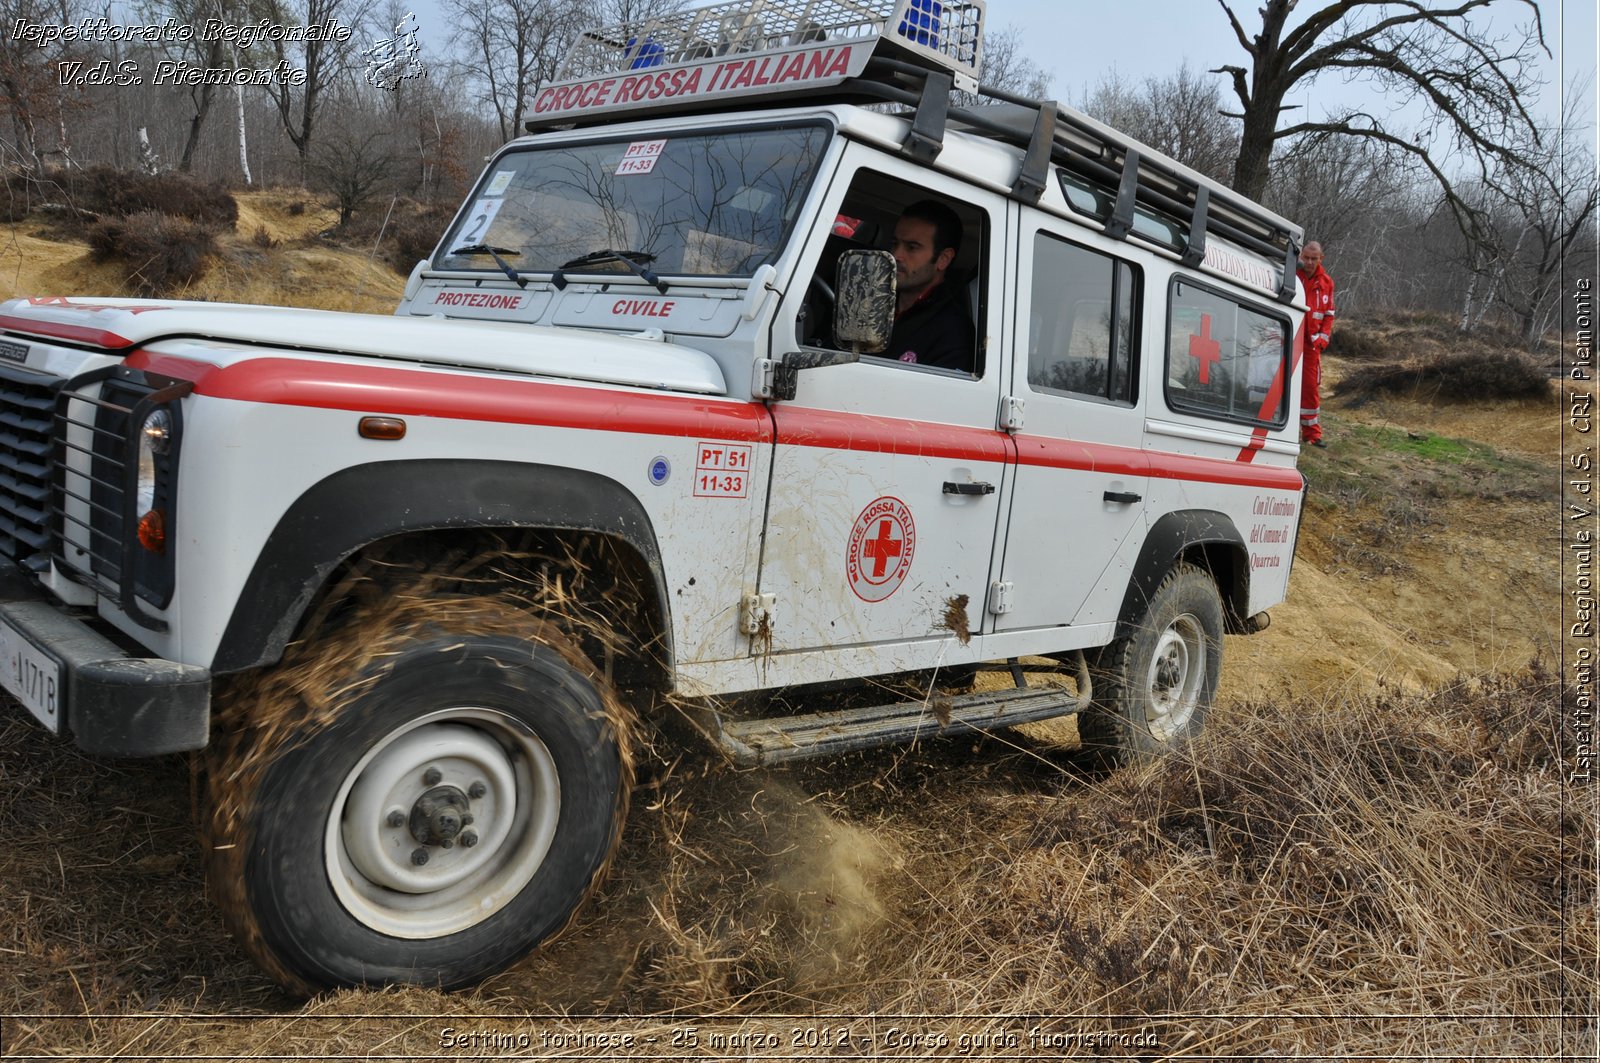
x=431 y=828
x=1154 y=688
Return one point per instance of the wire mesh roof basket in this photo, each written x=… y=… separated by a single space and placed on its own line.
x=942 y=33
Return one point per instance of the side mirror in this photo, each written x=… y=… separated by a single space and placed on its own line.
x=863 y=313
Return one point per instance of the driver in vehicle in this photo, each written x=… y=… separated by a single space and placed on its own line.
x=932 y=323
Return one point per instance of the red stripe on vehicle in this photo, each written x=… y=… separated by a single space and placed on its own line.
x=1157 y=464
x=411 y=393
x=404 y=392
x=805 y=427
x=1088 y=457
x=55 y=330
x=170 y=365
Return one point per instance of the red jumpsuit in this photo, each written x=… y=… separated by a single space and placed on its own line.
x=1319 y=326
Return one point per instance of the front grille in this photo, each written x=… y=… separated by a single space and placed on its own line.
x=27 y=405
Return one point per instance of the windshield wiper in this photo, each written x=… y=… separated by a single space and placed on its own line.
x=494 y=253
x=637 y=261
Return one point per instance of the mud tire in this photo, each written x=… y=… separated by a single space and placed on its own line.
x=292 y=867
x=1154 y=688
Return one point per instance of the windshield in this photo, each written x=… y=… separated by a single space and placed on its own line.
x=717 y=204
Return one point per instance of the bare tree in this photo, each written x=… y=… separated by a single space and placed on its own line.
x=31 y=89
x=196 y=51
x=1005 y=67
x=513 y=45
x=1179 y=115
x=324 y=63
x=354 y=169
x=1475 y=82
x=1550 y=195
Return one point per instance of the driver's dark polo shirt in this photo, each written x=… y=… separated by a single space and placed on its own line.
x=935 y=330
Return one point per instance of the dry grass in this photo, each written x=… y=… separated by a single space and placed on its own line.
x=1400 y=874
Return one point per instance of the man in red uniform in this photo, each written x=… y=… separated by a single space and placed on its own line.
x=1319 y=326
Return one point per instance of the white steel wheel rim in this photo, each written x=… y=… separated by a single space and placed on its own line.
x=1177 y=677
x=515 y=807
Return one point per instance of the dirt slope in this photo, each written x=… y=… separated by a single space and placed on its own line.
x=300 y=270
x=1425 y=552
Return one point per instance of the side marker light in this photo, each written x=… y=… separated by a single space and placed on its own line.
x=389 y=428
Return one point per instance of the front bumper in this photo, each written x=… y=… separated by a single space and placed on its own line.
x=112 y=702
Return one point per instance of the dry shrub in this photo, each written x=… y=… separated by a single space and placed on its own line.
x=125 y=193
x=264 y=239
x=417 y=233
x=1476 y=373
x=163 y=254
x=1358 y=343
x=412 y=232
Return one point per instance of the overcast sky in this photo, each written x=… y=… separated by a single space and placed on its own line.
x=1152 y=38
x=1079 y=41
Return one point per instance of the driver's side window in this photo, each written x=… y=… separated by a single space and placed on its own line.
x=940 y=246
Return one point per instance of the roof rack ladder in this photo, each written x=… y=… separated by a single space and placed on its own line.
x=1194 y=252
x=1030 y=183
x=1291 y=259
x=926 y=139
x=1120 y=224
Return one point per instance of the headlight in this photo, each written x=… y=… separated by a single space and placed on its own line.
x=155 y=441
x=157 y=431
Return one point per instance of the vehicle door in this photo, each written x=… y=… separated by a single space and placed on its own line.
x=887 y=476
x=1081 y=473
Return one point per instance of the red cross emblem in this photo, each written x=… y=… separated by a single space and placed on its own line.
x=882 y=545
x=1205 y=349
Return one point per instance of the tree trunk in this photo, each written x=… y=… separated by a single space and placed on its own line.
x=1255 y=152
x=244 y=153
x=192 y=142
x=147 y=157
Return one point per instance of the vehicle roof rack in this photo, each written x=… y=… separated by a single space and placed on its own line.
x=763 y=53
x=1131 y=176
x=753 y=52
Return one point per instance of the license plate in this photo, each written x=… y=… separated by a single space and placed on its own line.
x=31 y=676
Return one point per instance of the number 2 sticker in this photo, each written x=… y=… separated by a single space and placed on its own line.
x=479 y=218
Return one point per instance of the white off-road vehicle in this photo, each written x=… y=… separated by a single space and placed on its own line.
x=632 y=433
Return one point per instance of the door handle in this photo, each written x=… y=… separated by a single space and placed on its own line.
x=1127 y=498
x=975 y=487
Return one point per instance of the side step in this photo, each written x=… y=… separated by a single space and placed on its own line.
x=752 y=743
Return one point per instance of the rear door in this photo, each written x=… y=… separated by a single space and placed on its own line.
x=1081 y=472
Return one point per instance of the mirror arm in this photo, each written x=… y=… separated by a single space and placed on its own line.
x=818 y=357
x=780 y=379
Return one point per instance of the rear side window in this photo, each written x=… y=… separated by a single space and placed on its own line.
x=1225 y=359
x=1082 y=321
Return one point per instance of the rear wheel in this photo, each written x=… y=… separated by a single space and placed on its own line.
x=1154 y=688
x=433 y=826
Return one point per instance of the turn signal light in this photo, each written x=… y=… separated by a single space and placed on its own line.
x=382 y=428
x=153 y=531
